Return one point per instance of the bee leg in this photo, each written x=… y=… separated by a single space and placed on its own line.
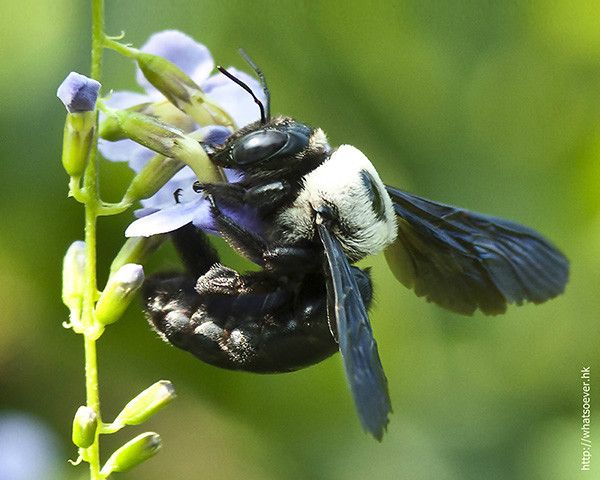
x=194 y=249
x=268 y=197
x=292 y=258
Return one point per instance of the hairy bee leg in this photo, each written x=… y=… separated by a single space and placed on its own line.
x=220 y=280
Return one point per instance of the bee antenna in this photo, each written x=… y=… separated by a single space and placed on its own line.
x=263 y=117
x=263 y=81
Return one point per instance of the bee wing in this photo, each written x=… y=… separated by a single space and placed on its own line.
x=355 y=337
x=464 y=261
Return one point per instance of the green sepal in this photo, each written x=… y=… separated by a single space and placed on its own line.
x=146 y=404
x=134 y=452
x=152 y=177
x=77 y=141
x=161 y=138
x=136 y=250
x=181 y=90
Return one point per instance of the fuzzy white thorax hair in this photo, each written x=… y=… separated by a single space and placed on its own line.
x=339 y=183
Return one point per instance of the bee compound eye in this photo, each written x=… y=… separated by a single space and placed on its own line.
x=258 y=146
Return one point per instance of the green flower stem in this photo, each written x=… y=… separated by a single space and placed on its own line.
x=106 y=209
x=90 y=293
x=124 y=50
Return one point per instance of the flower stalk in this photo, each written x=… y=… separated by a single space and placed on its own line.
x=90 y=292
x=177 y=129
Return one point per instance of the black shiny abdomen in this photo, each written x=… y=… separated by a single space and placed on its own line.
x=276 y=330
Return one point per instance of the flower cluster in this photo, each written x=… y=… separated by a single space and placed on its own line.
x=165 y=211
x=162 y=134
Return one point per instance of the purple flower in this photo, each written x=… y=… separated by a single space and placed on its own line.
x=78 y=93
x=163 y=212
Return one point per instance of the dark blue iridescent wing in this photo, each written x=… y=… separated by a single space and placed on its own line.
x=465 y=261
x=355 y=337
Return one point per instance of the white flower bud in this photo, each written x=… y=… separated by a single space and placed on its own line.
x=73 y=276
x=119 y=291
x=85 y=424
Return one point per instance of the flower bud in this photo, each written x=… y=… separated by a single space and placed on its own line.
x=77 y=141
x=146 y=404
x=74 y=275
x=134 y=452
x=181 y=90
x=85 y=424
x=141 y=128
x=118 y=293
x=161 y=138
x=78 y=93
x=135 y=250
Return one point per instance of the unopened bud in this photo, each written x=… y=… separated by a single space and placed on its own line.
x=161 y=138
x=74 y=275
x=118 y=293
x=181 y=90
x=85 y=424
x=136 y=250
x=134 y=452
x=78 y=93
x=146 y=404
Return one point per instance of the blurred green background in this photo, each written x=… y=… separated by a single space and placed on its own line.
x=494 y=106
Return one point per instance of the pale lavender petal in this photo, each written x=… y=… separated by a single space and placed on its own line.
x=247 y=217
x=198 y=212
x=125 y=99
x=166 y=220
x=125 y=151
x=78 y=93
x=192 y=57
x=203 y=218
x=165 y=197
x=143 y=212
x=215 y=134
x=234 y=99
x=233 y=176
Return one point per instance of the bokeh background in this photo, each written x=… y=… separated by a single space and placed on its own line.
x=494 y=106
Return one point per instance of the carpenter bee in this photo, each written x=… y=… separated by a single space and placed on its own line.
x=309 y=212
